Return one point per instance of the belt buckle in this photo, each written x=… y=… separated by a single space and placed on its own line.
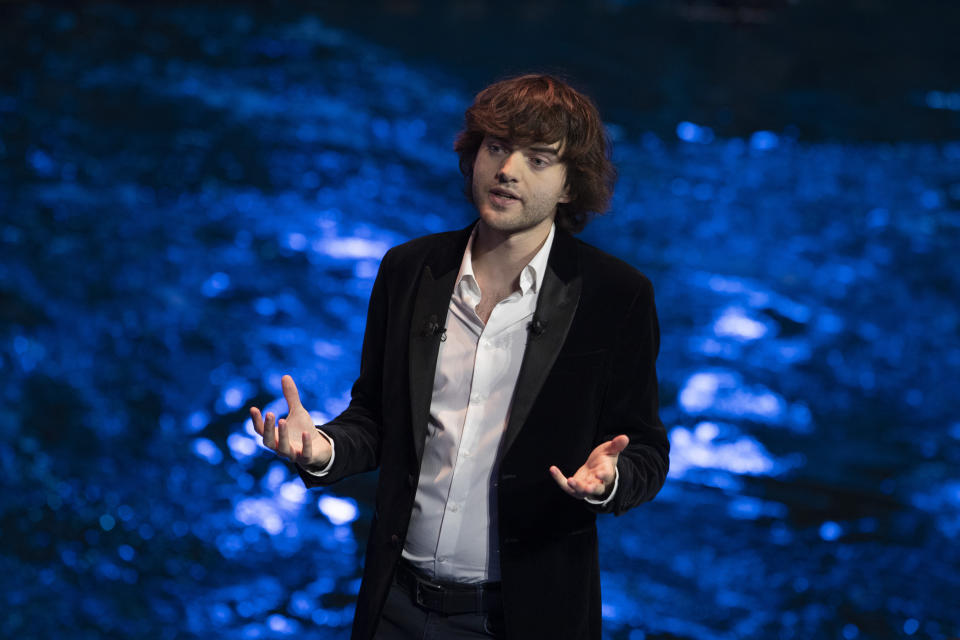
x=430 y=589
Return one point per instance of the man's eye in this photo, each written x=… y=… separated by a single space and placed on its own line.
x=538 y=162
x=493 y=147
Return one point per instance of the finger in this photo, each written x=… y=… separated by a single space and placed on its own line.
x=586 y=487
x=257 y=420
x=562 y=481
x=269 y=435
x=615 y=446
x=283 y=439
x=577 y=485
x=306 y=451
x=290 y=393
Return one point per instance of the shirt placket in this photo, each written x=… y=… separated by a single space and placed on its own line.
x=462 y=476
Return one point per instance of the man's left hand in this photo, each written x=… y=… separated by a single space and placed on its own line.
x=595 y=478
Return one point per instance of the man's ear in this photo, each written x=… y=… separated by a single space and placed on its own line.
x=565 y=194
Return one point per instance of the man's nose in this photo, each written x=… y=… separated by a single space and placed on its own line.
x=509 y=168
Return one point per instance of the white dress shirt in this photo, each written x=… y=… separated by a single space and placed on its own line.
x=454 y=520
x=453 y=525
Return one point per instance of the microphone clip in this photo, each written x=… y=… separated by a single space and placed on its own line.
x=432 y=328
x=536 y=327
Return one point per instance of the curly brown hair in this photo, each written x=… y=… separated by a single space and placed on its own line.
x=542 y=108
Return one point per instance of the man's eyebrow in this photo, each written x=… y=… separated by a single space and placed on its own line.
x=534 y=148
x=549 y=150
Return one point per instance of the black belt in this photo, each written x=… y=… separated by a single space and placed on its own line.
x=448 y=598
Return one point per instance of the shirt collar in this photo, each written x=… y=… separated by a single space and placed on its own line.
x=531 y=277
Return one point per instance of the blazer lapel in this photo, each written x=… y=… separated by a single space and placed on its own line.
x=556 y=306
x=437 y=278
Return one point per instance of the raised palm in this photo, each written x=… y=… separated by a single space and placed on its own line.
x=595 y=478
x=294 y=437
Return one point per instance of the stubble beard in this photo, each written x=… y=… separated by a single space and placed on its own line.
x=511 y=219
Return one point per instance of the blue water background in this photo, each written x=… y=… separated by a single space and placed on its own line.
x=194 y=202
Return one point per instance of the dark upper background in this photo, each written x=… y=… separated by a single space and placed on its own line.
x=852 y=71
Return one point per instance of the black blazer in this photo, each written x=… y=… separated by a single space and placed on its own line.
x=588 y=375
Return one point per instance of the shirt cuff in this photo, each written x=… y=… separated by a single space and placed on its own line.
x=613 y=492
x=319 y=473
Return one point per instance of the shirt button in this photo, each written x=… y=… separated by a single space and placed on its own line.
x=441 y=559
x=454 y=507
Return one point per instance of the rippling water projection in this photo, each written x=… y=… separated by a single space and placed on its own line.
x=194 y=202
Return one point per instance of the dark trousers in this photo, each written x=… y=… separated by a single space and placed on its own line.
x=402 y=619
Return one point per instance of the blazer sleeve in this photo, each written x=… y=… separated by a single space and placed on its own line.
x=631 y=407
x=357 y=431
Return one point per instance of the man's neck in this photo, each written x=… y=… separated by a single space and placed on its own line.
x=499 y=257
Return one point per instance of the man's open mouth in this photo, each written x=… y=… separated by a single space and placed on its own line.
x=504 y=194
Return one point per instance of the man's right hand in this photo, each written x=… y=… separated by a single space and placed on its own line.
x=294 y=437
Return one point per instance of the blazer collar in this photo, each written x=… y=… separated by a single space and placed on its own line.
x=556 y=307
x=448 y=255
x=437 y=278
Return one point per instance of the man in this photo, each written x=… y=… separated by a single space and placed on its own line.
x=507 y=391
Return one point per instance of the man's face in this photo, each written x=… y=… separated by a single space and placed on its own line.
x=518 y=187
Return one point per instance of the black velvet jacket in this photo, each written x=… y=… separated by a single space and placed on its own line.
x=588 y=374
